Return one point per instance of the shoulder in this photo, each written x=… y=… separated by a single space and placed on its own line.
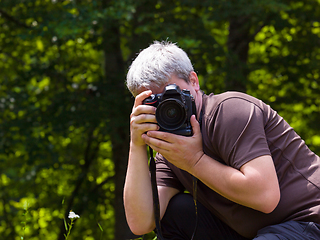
x=232 y=105
x=234 y=126
x=213 y=101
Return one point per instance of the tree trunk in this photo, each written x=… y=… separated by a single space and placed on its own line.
x=118 y=106
x=238 y=46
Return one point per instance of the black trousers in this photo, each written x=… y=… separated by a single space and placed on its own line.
x=179 y=223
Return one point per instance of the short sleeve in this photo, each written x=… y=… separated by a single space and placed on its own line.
x=165 y=176
x=239 y=132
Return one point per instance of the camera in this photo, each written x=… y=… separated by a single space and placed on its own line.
x=174 y=109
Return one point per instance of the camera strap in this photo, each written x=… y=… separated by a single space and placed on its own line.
x=156 y=205
x=155 y=195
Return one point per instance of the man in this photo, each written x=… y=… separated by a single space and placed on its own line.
x=256 y=177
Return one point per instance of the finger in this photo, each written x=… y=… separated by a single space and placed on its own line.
x=142 y=96
x=144 y=118
x=142 y=128
x=195 y=125
x=163 y=136
x=143 y=109
x=156 y=144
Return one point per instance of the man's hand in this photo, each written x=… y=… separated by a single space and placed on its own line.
x=142 y=119
x=183 y=152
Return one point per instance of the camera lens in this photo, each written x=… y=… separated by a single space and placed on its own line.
x=171 y=114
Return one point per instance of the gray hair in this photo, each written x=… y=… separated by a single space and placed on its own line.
x=155 y=65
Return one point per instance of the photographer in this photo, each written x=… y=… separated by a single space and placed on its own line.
x=256 y=177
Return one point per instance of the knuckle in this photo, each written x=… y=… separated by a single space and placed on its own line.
x=143 y=117
x=164 y=136
x=180 y=142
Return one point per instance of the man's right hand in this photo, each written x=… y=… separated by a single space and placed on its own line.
x=142 y=119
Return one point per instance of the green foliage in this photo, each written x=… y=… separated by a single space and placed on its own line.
x=65 y=110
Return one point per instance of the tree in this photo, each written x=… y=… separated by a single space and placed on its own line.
x=59 y=118
x=65 y=108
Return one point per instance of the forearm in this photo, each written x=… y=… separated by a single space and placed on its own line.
x=246 y=187
x=138 y=193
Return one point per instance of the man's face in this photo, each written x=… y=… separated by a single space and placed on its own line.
x=179 y=82
x=192 y=86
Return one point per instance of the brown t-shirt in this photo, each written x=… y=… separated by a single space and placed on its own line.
x=237 y=128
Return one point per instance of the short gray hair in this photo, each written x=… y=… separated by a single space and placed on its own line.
x=155 y=65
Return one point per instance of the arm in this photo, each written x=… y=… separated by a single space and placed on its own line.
x=255 y=185
x=138 y=199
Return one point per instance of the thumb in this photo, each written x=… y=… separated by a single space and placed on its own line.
x=195 y=125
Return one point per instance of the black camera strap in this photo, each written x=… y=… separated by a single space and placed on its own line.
x=156 y=205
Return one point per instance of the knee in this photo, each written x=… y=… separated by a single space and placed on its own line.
x=179 y=219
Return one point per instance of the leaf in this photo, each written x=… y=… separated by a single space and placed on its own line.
x=65 y=224
x=100 y=227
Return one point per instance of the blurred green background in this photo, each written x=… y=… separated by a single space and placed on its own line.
x=64 y=125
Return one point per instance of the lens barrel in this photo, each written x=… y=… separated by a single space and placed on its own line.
x=171 y=114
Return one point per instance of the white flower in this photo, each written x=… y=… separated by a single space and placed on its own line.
x=72 y=215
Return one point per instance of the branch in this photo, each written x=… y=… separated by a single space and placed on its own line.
x=14 y=58
x=251 y=38
x=87 y=157
x=12 y=19
x=101 y=184
x=265 y=22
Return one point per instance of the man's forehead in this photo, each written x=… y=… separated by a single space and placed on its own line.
x=154 y=89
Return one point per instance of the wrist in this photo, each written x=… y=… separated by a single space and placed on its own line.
x=197 y=165
x=137 y=147
x=136 y=141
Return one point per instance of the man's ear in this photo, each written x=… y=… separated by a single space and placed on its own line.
x=193 y=77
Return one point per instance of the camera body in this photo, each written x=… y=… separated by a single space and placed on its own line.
x=174 y=109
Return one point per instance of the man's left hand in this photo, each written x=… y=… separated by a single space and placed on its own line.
x=183 y=152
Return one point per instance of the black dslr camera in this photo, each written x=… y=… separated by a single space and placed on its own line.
x=174 y=109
